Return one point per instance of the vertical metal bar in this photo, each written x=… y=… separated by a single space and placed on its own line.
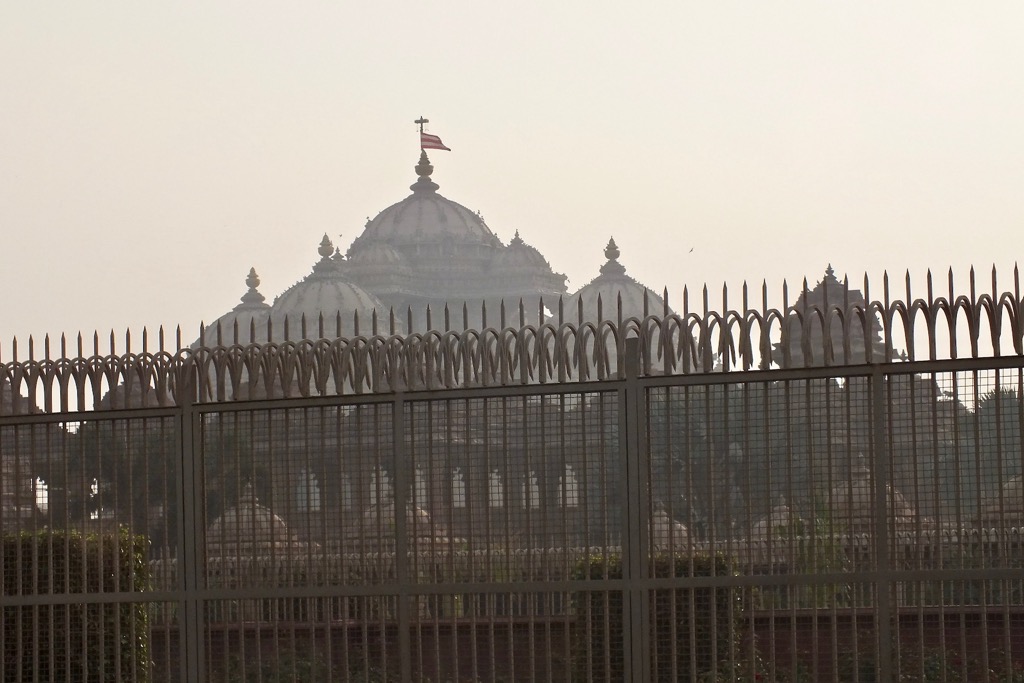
x=628 y=533
x=636 y=604
x=406 y=591
x=883 y=566
x=190 y=538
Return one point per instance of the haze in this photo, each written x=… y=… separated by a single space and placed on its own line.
x=149 y=155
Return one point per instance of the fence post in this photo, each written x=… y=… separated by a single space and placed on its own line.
x=191 y=536
x=635 y=561
x=402 y=474
x=880 y=536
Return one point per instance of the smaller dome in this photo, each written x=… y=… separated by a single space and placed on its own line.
x=668 y=535
x=518 y=256
x=608 y=288
x=245 y=323
x=780 y=522
x=853 y=509
x=327 y=292
x=248 y=528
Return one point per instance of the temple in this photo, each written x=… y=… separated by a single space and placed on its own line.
x=414 y=259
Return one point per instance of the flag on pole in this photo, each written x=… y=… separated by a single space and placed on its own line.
x=428 y=141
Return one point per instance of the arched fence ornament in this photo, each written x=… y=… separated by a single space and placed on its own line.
x=551 y=349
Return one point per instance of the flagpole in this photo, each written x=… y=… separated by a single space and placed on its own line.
x=421 y=121
x=428 y=141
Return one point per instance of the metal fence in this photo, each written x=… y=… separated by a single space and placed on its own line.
x=830 y=491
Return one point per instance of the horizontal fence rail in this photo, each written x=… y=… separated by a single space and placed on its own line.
x=830 y=491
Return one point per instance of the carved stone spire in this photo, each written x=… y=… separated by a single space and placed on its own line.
x=611 y=251
x=326 y=264
x=423 y=170
x=612 y=267
x=326 y=248
x=252 y=298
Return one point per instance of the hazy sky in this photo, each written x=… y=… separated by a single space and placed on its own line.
x=149 y=155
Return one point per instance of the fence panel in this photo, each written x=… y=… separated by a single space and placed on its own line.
x=86 y=506
x=556 y=502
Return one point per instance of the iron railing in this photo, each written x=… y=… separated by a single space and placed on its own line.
x=829 y=491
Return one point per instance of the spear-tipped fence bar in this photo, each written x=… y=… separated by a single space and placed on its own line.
x=283 y=358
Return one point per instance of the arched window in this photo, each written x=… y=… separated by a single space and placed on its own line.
x=495 y=490
x=531 y=491
x=420 y=492
x=345 y=493
x=42 y=491
x=458 y=489
x=380 y=487
x=308 y=492
x=568 y=489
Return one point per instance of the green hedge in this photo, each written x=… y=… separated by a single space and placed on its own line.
x=72 y=640
x=695 y=632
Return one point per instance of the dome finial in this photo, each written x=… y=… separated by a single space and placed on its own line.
x=252 y=281
x=612 y=268
x=326 y=247
x=611 y=252
x=423 y=170
x=829 y=272
x=325 y=267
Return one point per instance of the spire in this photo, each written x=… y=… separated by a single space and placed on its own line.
x=612 y=267
x=611 y=252
x=326 y=250
x=423 y=170
x=516 y=240
x=252 y=298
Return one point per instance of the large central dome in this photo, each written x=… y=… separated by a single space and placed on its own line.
x=427 y=250
x=426 y=224
x=429 y=263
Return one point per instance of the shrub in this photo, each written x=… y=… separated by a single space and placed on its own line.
x=695 y=632
x=72 y=639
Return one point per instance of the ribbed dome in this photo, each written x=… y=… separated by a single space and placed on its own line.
x=519 y=255
x=375 y=255
x=608 y=287
x=668 y=534
x=248 y=529
x=425 y=217
x=327 y=292
x=853 y=504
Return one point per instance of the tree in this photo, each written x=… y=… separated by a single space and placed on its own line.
x=989 y=449
x=124 y=471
